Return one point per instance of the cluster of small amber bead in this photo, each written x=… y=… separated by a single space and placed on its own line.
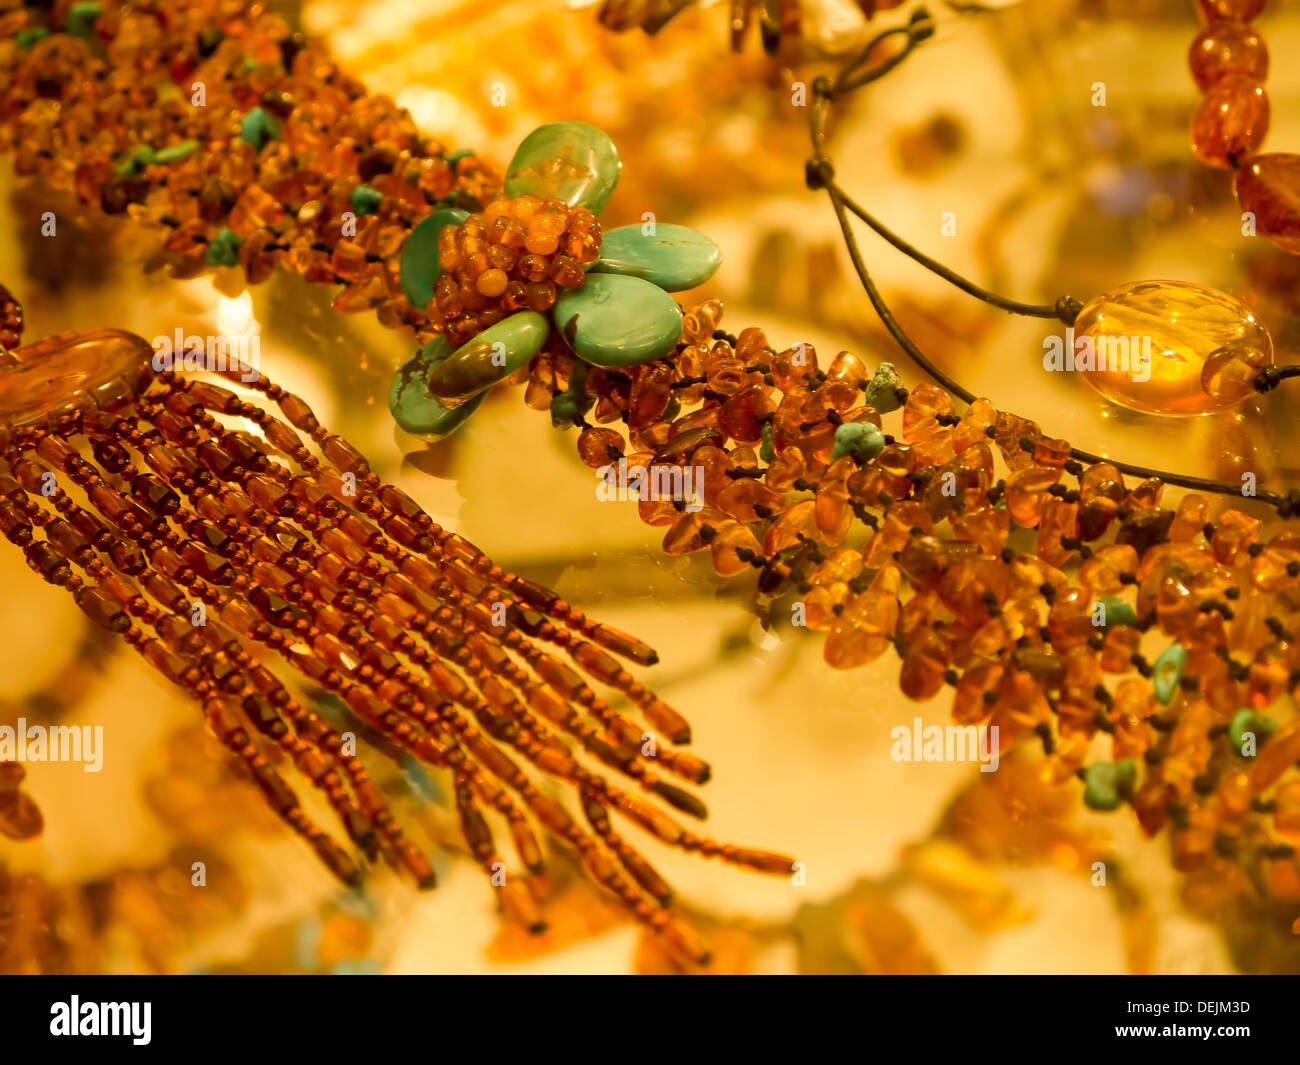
x=988 y=584
x=514 y=255
x=72 y=118
x=1229 y=62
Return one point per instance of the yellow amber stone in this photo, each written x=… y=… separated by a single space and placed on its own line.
x=1145 y=345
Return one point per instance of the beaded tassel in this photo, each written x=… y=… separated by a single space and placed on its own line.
x=200 y=547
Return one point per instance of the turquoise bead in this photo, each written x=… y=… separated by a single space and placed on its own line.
x=174 y=153
x=130 y=161
x=674 y=257
x=420 y=268
x=492 y=356
x=1261 y=726
x=570 y=161
x=223 y=249
x=414 y=409
x=862 y=440
x=29 y=35
x=82 y=17
x=616 y=321
x=1115 y=611
x=1168 y=671
x=365 y=200
x=1105 y=784
x=881 y=389
x=258 y=127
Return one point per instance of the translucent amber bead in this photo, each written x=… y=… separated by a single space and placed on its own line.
x=1231 y=121
x=1268 y=187
x=1242 y=10
x=1227 y=48
x=1180 y=326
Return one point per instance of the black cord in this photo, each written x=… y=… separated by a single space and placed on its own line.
x=820 y=173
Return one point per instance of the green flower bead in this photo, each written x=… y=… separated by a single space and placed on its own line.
x=417 y=410
x=420 y=267
x=490 y=357
x=615 y=321
x=570 y=161
x=673 y=257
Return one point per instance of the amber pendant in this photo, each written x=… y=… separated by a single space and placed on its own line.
x=281 y=538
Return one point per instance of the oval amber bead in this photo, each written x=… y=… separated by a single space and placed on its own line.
x=1226 y=48
x=1268 y=187
x=1230 y=124
x=1144 y=345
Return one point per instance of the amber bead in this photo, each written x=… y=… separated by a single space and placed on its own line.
x=1240 y=10
x=1231 y=121
x=1268 y=187
x=1225 y=48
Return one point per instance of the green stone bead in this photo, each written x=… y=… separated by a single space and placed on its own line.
x=455 y=157
x=81 y=18
x=365 y=200
x=492 y=356
x=29 y=35
x=766 y=451
x=615 y=321
x=174 y=153
x=1261 y=726
x=862 y=440
x=130 y=161
x=223 y=249
x=420 y=267
x=882 y=388
x=258 y=128
x=1115 y=611
x=1106 y=783
x=414 y=408
x=674 y=257
x=570 y=161
x=1168 y=671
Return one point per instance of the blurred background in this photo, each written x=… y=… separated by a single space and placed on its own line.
x=906 y=867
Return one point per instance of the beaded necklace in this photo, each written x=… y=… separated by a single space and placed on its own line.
x=1023 y=644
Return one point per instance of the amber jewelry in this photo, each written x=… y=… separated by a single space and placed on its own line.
x=994 y=590
x=1229 y=62
x=200 y=547
x=833 y=27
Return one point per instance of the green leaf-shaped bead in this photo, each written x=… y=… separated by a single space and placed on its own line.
x=492 y=356
x=674 y=257
x=414 y=408
x=420 y=267
x=1168 y=671
x=615 y=321
x=570 y=161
